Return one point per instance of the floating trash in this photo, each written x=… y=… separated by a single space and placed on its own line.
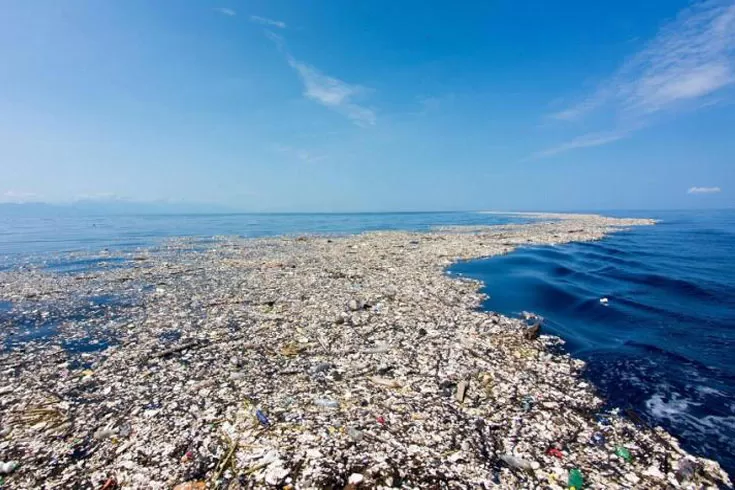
x=575 y=480
x=304 y=363
x=624 y=453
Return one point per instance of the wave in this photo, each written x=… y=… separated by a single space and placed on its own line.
x=662 y=344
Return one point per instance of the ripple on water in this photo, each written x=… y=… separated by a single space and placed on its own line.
x=663 y=343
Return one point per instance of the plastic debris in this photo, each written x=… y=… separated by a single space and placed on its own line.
x=556 y=452
x=185 y=336
x=685 y=470
x=110 y=484
x=326 y=403
x=104 y=434
x=624 y=453
x=355 y=479
x=575 y=480
x=527 y=403
x=518 y=463
x=604 y=301
x=262 y=418
x=598 y=439
x=8 y=467
x=533 y=332
x=191 y=485
x=461 y=391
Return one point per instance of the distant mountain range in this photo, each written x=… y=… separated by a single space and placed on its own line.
x=108 y=207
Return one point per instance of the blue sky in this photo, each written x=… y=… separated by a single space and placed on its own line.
x=351 y=106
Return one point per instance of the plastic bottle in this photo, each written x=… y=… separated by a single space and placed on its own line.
x=518 y=463
x=624 y=453
x=527 y=403
x=576 y=480
x=598 y=439
x=685 y=470
x=326 y=403
x=262 y=418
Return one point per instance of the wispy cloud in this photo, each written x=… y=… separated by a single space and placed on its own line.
x=703 y=190
x=585 y=141
x=306 y=156
x=17 y=196
x=690 y=59
x=101 y=196
x=267 y=22
x=326 y=90
x=225 y=11
x=333 y=93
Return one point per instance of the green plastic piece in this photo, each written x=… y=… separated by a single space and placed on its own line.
x=623 y=453
x=576 y=480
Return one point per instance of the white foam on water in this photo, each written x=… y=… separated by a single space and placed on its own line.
x=672 y=409
x=676 y=410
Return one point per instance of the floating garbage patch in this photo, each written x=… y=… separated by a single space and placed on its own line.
x=313 y=362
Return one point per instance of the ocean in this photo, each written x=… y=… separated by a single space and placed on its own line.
x=661 y=344
x=41 y=239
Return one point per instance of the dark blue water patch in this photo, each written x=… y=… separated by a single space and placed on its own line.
x=85 y=345
x=35 y=333
x=41 y=322
x=37 y=236
x=77 y=363
x=6 y=307
x=65 y=265
x=169 y=336
x=662 y=344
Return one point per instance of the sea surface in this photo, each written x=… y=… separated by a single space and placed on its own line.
x=664 y=342
x=40 y=238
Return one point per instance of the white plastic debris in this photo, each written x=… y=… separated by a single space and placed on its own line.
x=368 y=321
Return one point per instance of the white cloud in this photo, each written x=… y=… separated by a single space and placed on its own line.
x=703 y=190
x=305 y=156
x=226 y=11
x=690 y=59
x=16 y=196
x=584 y=141
x=101 y=196
x=333 y=93
x=267 y=22
x=328 y=91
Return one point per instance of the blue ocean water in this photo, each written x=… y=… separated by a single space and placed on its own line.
x=33 y=238
x=663 y=343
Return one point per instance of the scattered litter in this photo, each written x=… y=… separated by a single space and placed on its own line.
x=262 y=418
x=461 y=391
x=685 y=470
x=355 y=479
x=624 y=453
x=7 y=468
x=552 y=451
x=517 y=463
x=533 y=332
x=326 y=403
x=575 y=480
x=241 y=363
x=598 y=439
